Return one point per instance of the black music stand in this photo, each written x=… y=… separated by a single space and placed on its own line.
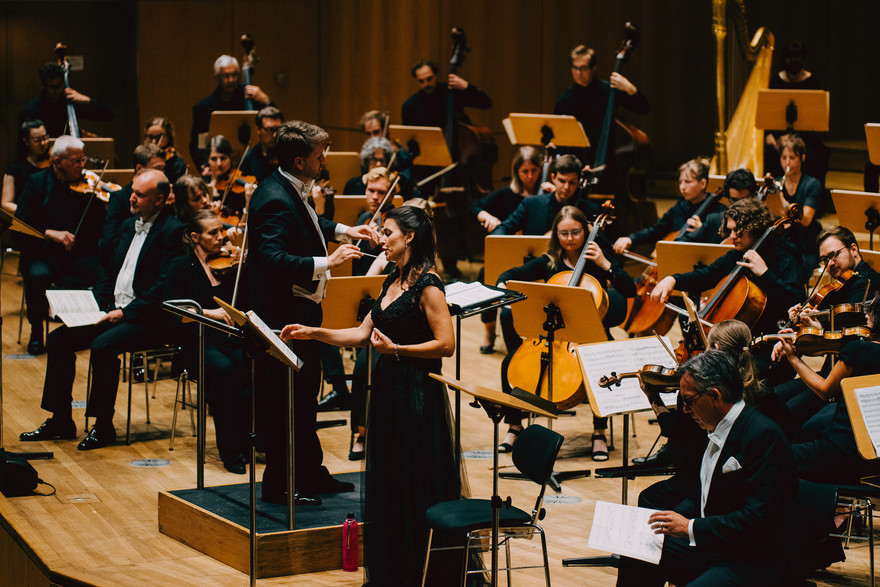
x=493 y=401
x=10 y=222
x=465 y=308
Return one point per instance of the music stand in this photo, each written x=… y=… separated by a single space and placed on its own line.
x=680 y=257
x=504 y=251
x=858 y=209
x=236 y=125
x=850 y=387
x=433 y=150
x=571 y=316
x=10 y=222
x=872 y=258
x=530 y=129
x=492 y=401
x=342 y=166
x=120 y=176
x=872 y=134
x=793 y=110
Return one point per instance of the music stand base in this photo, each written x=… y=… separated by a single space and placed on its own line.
x=32 y=456
x=593 y=561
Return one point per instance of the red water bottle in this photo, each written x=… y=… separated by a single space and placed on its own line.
x=350 y=544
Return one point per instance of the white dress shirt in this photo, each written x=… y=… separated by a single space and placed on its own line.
x=123 y=292
x=321 y=272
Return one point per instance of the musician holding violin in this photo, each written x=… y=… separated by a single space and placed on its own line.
x=51 y=105
x=72 y=223
x=32 y=155
x=231 y=189
x=568 y=243
x=706 y=228
x=260 y=161
x=226 y=380
x=375 y=123
x=160 y=131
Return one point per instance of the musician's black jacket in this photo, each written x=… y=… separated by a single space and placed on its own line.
x=673 y=220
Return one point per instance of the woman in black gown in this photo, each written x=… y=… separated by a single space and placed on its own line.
x=410 y=455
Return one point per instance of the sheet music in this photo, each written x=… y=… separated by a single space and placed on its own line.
x=470 y=294
x=622 y=356
x=624 y=530
x=278 y=348
x=869 y=405
x=75 y=307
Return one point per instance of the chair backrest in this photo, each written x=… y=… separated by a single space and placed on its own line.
x=534 y=453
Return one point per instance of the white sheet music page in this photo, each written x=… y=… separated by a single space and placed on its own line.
x=622 y=356
x=75 y=307
x=469 y=294
x=869 y=404
x=624 y=530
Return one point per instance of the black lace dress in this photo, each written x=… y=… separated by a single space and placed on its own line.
x=410 y=459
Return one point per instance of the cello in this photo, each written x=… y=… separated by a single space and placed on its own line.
x=72 y=122
x=568 y=383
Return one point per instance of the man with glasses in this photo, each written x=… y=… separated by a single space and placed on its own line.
x=261 y=160
x=728 y=530
x=72 y=223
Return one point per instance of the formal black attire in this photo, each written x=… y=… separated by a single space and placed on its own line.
x=144 y=325
x=175 y=168
x=808 y=193
x=707 y=232
x=48 y=204
x=355 y=186
x=534 y=215
x=54 y=114
x=226 y=384
x=202 y=119
x=259 y=164
x=118 y=211
x=19 y=170
x=284 y=242
x=674 y=219
x=738 y=535
x=410 y=452
x=423 y=109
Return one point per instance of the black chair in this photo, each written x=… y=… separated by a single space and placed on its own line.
x=534 y=454
x=857 y=498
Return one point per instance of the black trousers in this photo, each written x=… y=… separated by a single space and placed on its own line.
x=67 y=273
x=106 y=342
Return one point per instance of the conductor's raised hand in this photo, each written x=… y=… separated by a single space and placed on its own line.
x=297 y=332
x=342 y=255
x=365 y=232
x=381 y=342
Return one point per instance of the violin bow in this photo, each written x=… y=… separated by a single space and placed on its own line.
x=92 y=195
x=692 y=314
x=665 y=346
x=381 y=206
x=232 y=175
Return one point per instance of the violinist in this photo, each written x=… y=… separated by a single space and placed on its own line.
x=190 y=195
x=587 y=97
x=802 y=189
x=226 y=381
x=378 y=182
x=220 y=170
x=230 y=94
x=160 y=131
x=692 y=179
x=774 y=268
x=824 y=447
x=375 y=152
x=535 y=215
x=374 y=123
x=569 y=233
x=260 y=161
x=51 y=105
x=427 y=107
x=31 y=156
x=738 y=184
x=71 y=221
x=492 y=209
x=146 y=156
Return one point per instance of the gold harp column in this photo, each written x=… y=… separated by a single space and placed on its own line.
x=719 y=28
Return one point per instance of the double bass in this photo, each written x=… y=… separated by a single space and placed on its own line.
x=72 y=122
x=247 y=66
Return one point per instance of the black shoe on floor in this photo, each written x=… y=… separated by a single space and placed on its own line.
x=329 y=484
x=299 y=497
x=99 y=437
x=236 y=465
x=335 y=400
x=36 y=347
x=665 y=456
x=51 y=430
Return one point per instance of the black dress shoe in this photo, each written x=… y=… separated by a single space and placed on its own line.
x=99 y=437
x=488 y=349
x=330 y=484
x=335 y=400
x=299 y=498
x=236 y=465
x=51 y=430
x=665 y=456
x=36 y=347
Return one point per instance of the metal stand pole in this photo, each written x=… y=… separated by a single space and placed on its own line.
x=291 y=457
x=252 y=480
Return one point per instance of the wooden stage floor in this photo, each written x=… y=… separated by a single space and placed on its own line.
x=100 y=528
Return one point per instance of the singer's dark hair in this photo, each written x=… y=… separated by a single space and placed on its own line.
x=422 y=248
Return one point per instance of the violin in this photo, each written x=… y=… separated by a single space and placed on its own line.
x=169 y=153
x=813 y=342
x=656 y=376
x=91 y=183
x=819 y=295
x=72 y=122
x=225 y=260
x=235 y=182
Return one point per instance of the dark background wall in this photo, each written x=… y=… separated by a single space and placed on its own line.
x=327 y=61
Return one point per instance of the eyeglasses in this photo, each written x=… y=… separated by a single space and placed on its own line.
x=828 y=258
x=689 y=401
x=570 y=233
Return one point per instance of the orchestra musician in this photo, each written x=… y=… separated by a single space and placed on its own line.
x=50 y=105
x=804 y=190
x=375 y=152
x=31 y=156
x=374 y=123
x=227 y=384
x=738 y=184
x=728 y=530
x=230 y=94
x=220 y=169
x=774 y=268
x=146 y=156
x=160 y=131
x=130 y=292
x=260 y=161
x=71 y=221
x=568 y=235
x=288 y=265
x=427 y=107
